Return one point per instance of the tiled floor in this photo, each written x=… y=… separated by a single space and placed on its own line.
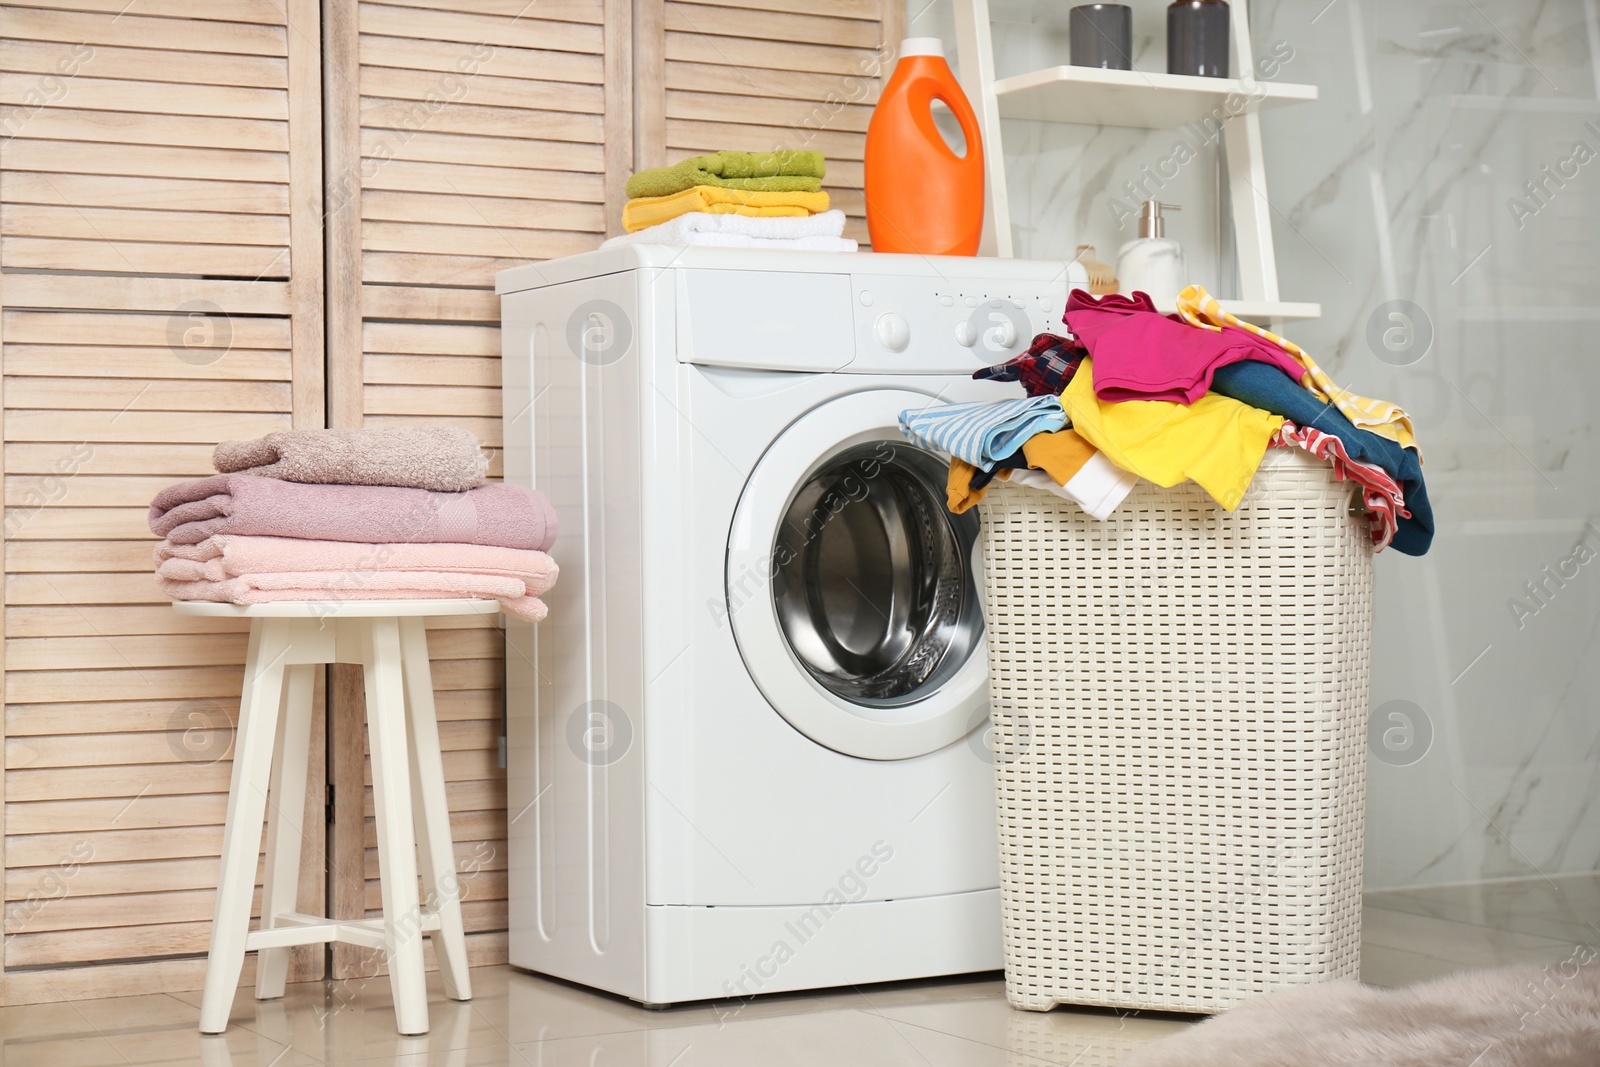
x=518 y=1020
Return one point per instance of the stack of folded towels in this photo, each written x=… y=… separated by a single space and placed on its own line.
x=735 y=200
x=396 y=513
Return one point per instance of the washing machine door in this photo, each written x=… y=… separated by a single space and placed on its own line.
x=851 y=587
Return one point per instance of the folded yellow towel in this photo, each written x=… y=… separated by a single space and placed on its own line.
x=654 y=210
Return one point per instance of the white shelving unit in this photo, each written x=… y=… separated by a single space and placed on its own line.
x=1144 y=100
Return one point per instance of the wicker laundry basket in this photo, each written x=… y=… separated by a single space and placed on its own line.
x=1180 y=706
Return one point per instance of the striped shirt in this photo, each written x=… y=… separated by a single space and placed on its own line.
x=982 y=434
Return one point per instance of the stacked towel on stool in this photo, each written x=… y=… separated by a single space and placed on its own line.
x=400 y=513
x=774 y=191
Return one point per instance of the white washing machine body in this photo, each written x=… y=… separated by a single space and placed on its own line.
x=747 y=749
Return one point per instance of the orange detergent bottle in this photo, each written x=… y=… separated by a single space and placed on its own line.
x=921 y=196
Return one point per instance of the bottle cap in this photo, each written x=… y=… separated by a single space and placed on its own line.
x=922 y=46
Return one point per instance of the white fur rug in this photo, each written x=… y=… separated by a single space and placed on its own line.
x=1526 y=1016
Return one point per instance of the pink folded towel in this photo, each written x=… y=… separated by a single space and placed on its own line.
x=442 y=458
x=372 y=585
x=505 y=515
x=225 y=556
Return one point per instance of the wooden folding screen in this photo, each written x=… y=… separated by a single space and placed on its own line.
x=764 y=74
x=463 y=136
x=160 y=289
x=222 y=219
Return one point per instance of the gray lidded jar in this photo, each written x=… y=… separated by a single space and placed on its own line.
x=1197 y=38
x=1101 y=35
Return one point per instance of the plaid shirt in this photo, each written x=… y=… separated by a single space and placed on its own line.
x=1044 y=369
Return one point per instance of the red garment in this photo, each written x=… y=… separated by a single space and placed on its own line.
x=1140 y=354
x=1384 y=500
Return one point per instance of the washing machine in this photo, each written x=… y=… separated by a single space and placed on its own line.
x=747 y=750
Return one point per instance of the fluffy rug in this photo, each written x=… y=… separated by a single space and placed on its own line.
x=1525 y=1016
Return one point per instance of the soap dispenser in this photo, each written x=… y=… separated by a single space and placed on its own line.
x=1153 y=264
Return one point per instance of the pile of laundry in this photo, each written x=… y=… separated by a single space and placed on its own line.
x=392 y=513
x=735 y=200
x=1195 y=395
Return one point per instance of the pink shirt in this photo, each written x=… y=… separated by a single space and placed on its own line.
x=1140 y=354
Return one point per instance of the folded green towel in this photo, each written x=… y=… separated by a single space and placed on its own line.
x=770 y=172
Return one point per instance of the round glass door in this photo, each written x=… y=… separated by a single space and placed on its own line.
x=872 y=587
x=851 y=589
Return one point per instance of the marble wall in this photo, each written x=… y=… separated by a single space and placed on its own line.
x=1451 y=162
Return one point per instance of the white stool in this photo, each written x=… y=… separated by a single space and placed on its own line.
x=287 y=642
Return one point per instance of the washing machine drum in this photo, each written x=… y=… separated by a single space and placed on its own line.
x=851 y=587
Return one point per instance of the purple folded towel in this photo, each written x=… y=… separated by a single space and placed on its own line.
x=505 y=515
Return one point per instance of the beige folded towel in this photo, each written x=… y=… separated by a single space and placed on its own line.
x=445 y=459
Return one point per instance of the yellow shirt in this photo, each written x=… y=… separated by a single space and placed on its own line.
x=1216 y=441
x=1200 y=308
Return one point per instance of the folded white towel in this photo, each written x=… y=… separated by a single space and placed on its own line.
x=815 y=233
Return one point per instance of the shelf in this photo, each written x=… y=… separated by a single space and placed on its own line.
x=1256 y=310
x=1136 y=98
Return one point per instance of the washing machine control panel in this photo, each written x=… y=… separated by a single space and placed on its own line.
x=907 y=325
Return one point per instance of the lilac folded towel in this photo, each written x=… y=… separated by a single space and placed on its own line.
x=505 y=515
x=446 y=459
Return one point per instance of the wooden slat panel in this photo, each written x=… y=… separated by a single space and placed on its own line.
x=80 y=292
x=53 y=557
x=427 y=339
x=111 y=94
x=150 y=426
x=90 y=946
x=498 y=241
x=69 y=124
x=149 y=161
x=771 y=55
x=763 y=24
x=197 y=68
x=85 y=361
x=521 y=153
x=415 y=268
x=483 y=89
x=448 y=57
x=77 y=816
x=98 y=190
x=797 y=120
x=121 y=650
x=432 y=400
x=433 y=370
x=412 y=177
x=186 y=35
x=778 y=84
x=265 y=12
x=145 y=258
x=526 y=32
x=502 y=122
x=116 y=846
x=85 y=620
x=187 y=461
x=182 y=168
x=134 y=909
x=464 y=210
x=112 y=224
x=109 y=328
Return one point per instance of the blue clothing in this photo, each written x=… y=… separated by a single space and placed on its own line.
x=983 y=434
x=1264 y=386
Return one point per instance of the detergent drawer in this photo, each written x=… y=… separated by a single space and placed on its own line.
x=764 y=320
